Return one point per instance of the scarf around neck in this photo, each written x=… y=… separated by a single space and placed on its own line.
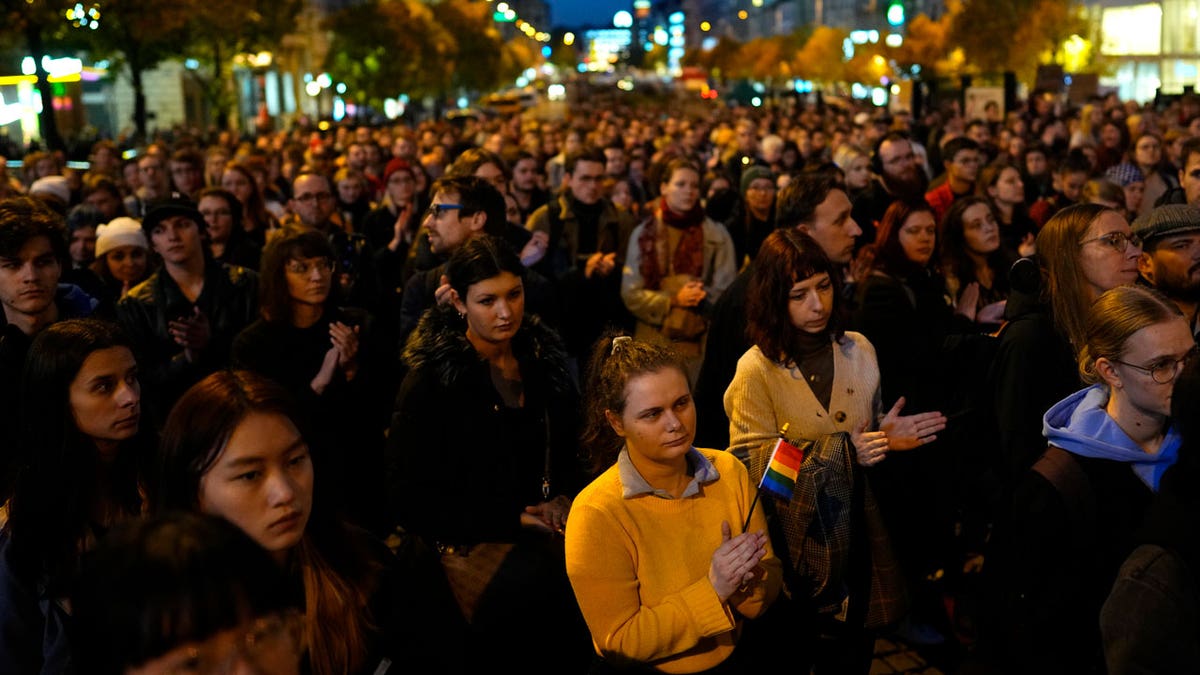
x=688 y=257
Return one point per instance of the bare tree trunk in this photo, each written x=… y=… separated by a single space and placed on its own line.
x=47 y=120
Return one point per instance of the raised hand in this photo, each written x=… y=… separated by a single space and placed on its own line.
x=535 y=249
x=905 y=432
x=443 y=294
x=324 y=376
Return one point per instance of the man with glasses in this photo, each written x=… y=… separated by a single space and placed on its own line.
x=1170 y=258
x=183 y=317
x=898 y=176
x=314 y=207
x=585 y=238
x=462 y=207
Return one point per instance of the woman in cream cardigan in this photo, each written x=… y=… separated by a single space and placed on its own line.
x=804 y=371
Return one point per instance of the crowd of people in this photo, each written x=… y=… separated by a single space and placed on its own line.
x=500 y=393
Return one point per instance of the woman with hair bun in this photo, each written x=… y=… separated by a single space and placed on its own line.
x=1077 y=512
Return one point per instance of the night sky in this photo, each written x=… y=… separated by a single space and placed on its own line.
x=574 y=13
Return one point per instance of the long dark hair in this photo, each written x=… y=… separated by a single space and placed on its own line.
x=154 y=585
x=337 y=574
x=274 y=300
x=787 y=256
x=615 y=359
x=956 y=262
x=889 y=253
x=58 y=483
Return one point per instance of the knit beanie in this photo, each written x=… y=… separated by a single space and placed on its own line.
x=752 y=173
x=123 y=231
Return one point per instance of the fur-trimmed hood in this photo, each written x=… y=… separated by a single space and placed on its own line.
x=440 y=343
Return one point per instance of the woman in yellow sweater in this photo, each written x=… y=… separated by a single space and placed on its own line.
x=655 y=546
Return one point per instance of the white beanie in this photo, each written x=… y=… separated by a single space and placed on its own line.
x=54 y=186
x=123 y=231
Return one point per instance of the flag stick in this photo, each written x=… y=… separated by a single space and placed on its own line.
x=751 y=514
x=758 y=490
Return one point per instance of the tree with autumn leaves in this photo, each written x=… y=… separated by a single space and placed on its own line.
x=978 y=37
x=382 y=48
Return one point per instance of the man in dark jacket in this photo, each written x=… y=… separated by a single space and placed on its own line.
x=587 y=238
x=183 y=318
x=33 y=251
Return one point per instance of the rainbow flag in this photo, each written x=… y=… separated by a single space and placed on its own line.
x=780 y=477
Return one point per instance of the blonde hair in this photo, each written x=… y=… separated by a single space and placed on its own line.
x=1115 y=316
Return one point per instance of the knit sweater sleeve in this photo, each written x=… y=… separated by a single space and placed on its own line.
x=749 y=406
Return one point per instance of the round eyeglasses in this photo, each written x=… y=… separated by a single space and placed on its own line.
x=1164 y=371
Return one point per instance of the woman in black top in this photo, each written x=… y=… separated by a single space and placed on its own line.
x=482 y=450
x=304 y=340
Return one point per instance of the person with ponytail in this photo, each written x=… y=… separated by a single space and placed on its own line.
x=666 y=549
x=1077 y=512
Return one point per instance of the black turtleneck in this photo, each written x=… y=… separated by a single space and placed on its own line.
x=814 y=358
x=588 y=217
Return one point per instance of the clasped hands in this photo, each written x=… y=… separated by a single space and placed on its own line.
x=735 y=562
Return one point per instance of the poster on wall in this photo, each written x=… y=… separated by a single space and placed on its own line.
x=985 y=103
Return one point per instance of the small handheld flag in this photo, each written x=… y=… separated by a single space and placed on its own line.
x=779 y=478
x=782 y=469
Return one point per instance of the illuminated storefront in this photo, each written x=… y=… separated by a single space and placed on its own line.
x=1155 y=45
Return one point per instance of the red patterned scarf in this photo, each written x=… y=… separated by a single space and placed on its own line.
x=688 y=257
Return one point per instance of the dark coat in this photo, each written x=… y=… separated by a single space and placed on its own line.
x=1150 y=622
x=346 y=422
x=33 y=625
x=229 y=300
x=589 y=306
x=462 y=466
x=1064 y=560
x=1034 y=368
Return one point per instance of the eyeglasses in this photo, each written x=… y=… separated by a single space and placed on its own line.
x=1119 y=241
x=322 y=265
x=1165 y=370
x=313 y=197
x=271 y=645
x=436 y=210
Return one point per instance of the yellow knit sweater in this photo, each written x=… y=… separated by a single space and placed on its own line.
x=639 y=568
